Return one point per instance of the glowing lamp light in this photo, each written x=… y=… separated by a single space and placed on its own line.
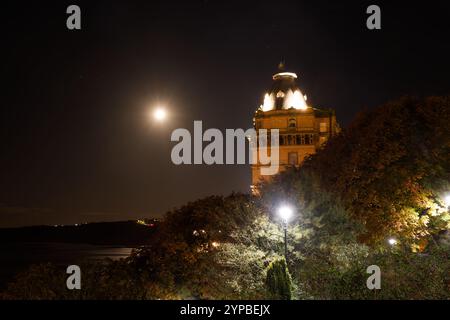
x=215 y=244
x=295 y=100
x=268 y=103
x=285 y=213
x=447 y=200
x=284 y=75
x=392 y=241
x=160 y=114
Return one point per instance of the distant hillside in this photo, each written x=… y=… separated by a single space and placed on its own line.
x=126 y=233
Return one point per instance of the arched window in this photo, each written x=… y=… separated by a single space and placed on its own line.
x=280 y=94
x=292 y=123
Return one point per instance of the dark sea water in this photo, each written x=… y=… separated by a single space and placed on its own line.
x=16 y=257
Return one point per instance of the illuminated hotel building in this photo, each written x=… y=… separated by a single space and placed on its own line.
x=302 y=128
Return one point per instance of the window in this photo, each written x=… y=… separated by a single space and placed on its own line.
x=292 y=123
x=309 y=139
x=293 y=158
x=323 y=127
x=280 y=94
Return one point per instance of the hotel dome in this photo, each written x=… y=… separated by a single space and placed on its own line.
x=284 y=93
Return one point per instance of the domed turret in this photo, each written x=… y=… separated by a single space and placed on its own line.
x=302 y=129
x=284 y=93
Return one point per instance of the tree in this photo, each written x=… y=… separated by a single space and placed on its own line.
x=213 y=248
x=384 y=176
x=278 y=280
x=387 y=172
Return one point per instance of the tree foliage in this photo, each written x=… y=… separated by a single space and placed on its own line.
x=384 y=176
x=386 y=173
x=213 y=248
x=278 y=280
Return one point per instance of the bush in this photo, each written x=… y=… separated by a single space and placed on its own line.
x=404 y=275
x=278 y=280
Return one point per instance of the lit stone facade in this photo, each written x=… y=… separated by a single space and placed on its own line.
x=302 y=128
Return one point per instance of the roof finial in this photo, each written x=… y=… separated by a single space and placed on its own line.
x=281 y=65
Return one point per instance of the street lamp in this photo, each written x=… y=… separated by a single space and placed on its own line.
x=392 y=241
x=285 y=212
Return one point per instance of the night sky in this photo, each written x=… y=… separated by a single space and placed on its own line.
x=77 y=141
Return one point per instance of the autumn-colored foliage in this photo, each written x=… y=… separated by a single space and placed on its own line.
x=384 y=176
x=389 y=171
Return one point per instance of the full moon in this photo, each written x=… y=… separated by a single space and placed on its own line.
x=160 y=114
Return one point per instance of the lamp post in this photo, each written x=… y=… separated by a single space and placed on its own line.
x=285 y=212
